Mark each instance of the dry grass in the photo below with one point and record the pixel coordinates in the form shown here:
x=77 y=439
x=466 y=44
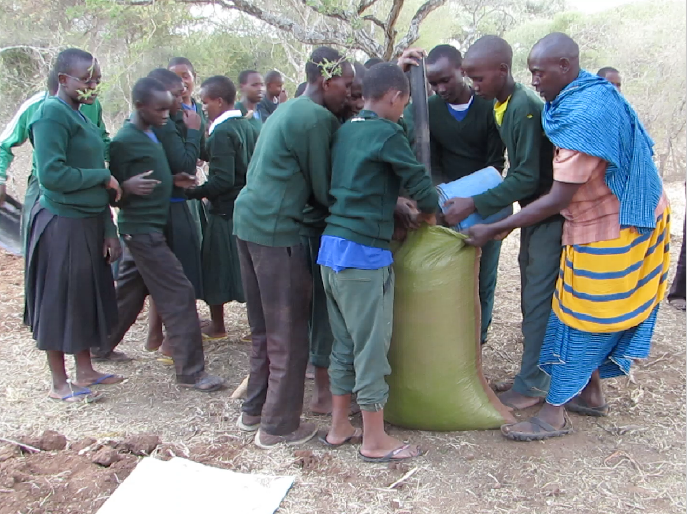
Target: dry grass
x=632 y=460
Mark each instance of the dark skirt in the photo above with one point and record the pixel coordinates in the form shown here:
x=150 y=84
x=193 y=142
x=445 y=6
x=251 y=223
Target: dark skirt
x=183 y=238
x=221 y=269
x=71 y=303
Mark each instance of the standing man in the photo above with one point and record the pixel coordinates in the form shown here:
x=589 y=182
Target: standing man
x=464 y=138
x=612 y=75
x=251 y=87
x=274 y=95
x=517 y=111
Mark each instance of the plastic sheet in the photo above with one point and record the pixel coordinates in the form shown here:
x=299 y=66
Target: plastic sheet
x=436 y=381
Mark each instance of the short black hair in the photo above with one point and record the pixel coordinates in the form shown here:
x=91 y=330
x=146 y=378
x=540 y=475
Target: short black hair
x=243 y=76
x=360 y=71
x=606 y=70
x=220 y=86
x=445 y=51
x=318 y=58
x=382 y=78
x=178 y=61
x=66 y=60
x=144 y=89
x=372 y=61
x=300 y=89
x=53 y=83
x=168 y=78
x=272 y=76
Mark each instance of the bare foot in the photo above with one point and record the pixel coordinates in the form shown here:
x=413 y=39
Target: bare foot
x=73 y=394
x=154 y=341
x=211 y=332
x=517 y=401
x=95 y=378
x=165 y=349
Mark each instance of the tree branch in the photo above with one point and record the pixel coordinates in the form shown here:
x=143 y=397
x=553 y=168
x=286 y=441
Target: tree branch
x=364 y=5
x=414 y=29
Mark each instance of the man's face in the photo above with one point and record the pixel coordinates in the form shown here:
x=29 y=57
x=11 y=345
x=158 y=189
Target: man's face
x=488 y=78
x=274 y=88
x=177 y=91
x=547 y=75
x=253 y=88
x=213 y=107
x=156 y=111
x=337 y=90
x=355 y=102
x=187 y=76
x=446 y=79
x=614 y=78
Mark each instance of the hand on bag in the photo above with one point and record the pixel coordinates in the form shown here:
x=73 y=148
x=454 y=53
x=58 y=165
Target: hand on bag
x=457 y=209
x=430 y=219
x=479 y=235
x=140 y=185
x=192 y=119
x=184 y=180
x=114 y=185
x=112 y=249
x=410 y=57
x=405 y=217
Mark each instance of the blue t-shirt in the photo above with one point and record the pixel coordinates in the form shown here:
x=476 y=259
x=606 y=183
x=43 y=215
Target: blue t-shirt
x=459 y=112
x=340 y=254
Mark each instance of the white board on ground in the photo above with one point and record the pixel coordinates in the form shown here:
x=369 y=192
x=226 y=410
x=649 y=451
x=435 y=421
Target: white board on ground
x=181 y=486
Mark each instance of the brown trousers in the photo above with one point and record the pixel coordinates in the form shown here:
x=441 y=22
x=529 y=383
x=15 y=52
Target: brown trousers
x=149 y=267
x=278 y=287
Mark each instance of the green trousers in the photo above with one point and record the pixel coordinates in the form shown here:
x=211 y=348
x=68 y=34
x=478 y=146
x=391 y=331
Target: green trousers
x=539 y=259
x=488 y=270
x=361 y=312
x=319 y=331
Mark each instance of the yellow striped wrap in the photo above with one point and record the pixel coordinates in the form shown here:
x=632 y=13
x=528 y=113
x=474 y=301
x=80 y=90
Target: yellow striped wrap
x=611 y=286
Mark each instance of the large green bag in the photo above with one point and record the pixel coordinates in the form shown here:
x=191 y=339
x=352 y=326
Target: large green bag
x=436 y=382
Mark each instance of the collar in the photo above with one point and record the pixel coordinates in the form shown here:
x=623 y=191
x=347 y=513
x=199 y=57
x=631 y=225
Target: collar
x=224 y=117
x=365 y=114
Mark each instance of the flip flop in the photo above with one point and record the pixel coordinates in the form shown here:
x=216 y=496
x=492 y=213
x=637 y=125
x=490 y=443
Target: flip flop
x=391 y=456
x=101 y=380
x=246 y=428
x=89 y=396
x=542 y=430
x=214 y=338
x=356 y=438
x=113 y=356
x=167 y=361
x=579 y=406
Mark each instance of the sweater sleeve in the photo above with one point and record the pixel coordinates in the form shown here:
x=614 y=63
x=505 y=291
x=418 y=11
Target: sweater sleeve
x=414 y=178
x=181 y=155
x=314 y=156
x=50 y=139
x=104 y=133
x=495 y=147
x=15 y=134
x=222 y=164
x=524 y=170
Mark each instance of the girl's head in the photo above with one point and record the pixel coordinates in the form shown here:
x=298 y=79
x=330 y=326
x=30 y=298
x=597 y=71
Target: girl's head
x=184 y=69
x=152 y=100
x=78 y=76
x=173 y=84
x=218 y=95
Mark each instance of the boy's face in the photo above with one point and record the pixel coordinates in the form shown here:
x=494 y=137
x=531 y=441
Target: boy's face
x=177 y=91
x=614 y=78
x=213 y=107
x=187 y=76
x=355 y=102
x=81 y=82
x=337 y=90
x=156 y=111
x=488 y=79
x=253 y=88
x=275 y=87
x=446 y=80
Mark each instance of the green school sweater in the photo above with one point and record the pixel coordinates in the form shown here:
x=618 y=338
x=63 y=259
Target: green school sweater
x=16 y=133
x=229 y=149
x=459 y=148
x=255 y=122
x=182 y=147
x=132 y=152
x=290 y=168
x=530 y=155
x=69 y=153
x=371 y=161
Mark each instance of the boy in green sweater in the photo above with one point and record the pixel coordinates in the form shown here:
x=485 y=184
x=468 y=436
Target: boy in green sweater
x=371 y=161
x=252 y=89
x=463 y=139
x=149 y=267
x=229 y=147
x=517 y=111
x=289 y=169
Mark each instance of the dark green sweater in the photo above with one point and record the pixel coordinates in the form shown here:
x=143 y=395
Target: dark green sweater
x=182 y=147
x=69 y=153
x=229 y=149
x=371 y=161
x=255 y=122
x=132 y=152
x=459 y=148
x=290 y=168
x=530 y=155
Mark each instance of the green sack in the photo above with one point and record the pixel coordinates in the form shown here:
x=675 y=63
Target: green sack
x=436 y=380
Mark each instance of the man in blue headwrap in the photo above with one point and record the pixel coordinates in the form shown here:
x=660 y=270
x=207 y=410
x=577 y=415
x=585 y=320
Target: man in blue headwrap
x=615 y=237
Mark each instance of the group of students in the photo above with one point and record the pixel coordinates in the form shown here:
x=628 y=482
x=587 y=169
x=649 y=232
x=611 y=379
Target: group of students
x=308 y=205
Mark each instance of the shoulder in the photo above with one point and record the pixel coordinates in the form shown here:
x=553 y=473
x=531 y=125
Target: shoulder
x=526 y=102
x=376 y=130
x=53 y=111
x=126 y=134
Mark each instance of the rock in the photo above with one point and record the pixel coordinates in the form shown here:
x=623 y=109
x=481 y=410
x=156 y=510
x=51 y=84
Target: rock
x=9 y=452
x=48 y=441
x=139 y=444
x=106 y=456
x=82 y=444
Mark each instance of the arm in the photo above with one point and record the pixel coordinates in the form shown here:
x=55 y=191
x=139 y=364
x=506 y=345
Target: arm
x=495 y=147
x=181 y=155
x=222 y=175
x=414 y=178
x=103 y=132
x=50 y=139
x=15 y=134
x=316 y=163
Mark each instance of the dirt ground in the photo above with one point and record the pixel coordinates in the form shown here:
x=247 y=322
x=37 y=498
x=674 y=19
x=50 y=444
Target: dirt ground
x=633 y=460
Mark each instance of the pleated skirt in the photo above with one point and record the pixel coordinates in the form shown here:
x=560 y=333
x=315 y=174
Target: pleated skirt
x=71 y=303
x=221 y=269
